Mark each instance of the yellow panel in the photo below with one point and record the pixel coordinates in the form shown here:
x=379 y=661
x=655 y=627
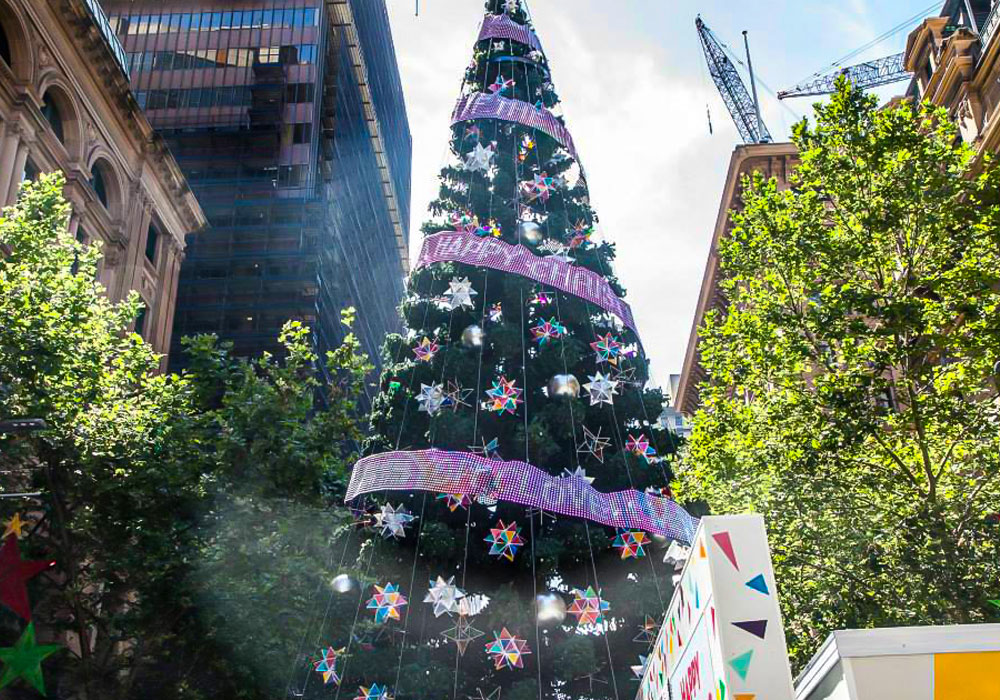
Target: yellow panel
x=973 y=676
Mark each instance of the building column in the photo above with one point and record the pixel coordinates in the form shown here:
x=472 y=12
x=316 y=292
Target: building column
x=20 y=159
x=173 y=255
x=9 y=142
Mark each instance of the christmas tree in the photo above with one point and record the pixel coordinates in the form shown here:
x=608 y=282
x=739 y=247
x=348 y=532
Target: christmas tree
x=491 y=552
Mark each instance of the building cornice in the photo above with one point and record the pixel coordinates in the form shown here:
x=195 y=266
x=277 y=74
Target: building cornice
x=343 y=16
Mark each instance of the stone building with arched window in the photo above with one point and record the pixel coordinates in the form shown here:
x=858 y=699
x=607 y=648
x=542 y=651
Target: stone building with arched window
x=66 y=104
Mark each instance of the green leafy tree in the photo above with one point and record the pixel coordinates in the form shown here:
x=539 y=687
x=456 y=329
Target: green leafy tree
x=852 y=397
x=190 y=518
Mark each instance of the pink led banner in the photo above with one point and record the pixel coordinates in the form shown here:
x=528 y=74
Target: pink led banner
x=503 y=27
x=519 y=482
x=468 y=248
x=480 y=105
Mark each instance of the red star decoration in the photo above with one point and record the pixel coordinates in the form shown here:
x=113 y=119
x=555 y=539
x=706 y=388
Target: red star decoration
x=14 y=573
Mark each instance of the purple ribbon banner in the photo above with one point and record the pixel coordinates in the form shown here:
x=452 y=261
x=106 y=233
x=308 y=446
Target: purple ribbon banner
x=519 y=482
x=503 y=27
x=468 y=248
x=481 y=105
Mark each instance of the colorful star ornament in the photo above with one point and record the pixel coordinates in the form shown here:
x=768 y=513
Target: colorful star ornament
x=24 y=660
x=462 y=633
x=647 y=631
x=504 y=396
x=507 y=650
x=393 y=521
x=15 y=526
x=490 y=228
x=432 y=398
x=607 y=348
x=373 y=692
x=540 y=187
x=505 y=540
x=464 y=222
x=444 y=596
x=548 y=330
x=631 y=543
x=501 y=86
x=495 y=314
x=479 y=158
x=594 y=444
x=588 y=607
x=640 y=447
x=460 y=293
x=489 y=450
x=14 y=575
x=540 y=299
x=426 y=350
x=471 y=132
x=386 y=602
x=326 y=665
x=456 y=395
x=454 y=501
x=601 y=389
x=581 y=235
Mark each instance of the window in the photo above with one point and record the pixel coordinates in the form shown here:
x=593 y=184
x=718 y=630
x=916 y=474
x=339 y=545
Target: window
x=268 y=54
x=30 y=171
x=100 y=187
x=301 y=133
x=300 y=92
x=152 y=236
x=5 y=48
x=52 y=115
x=140 y=320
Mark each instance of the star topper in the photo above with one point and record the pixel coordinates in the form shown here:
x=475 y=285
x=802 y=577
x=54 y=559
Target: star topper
x=460 y=293
x=426 y=350
x=507 y=650
x=588 y=607
x=393 y=521
x=444 y=596
x=505 y=540
x=594 y=444
x=505 y=396
x=462 y=633
x=601 y=389
x=607 y=348
x=631 y=543
x=480 y=158
x=548 y=330
x=500 y=85
x=326 y=665
x=386 y=602
x=640 y=447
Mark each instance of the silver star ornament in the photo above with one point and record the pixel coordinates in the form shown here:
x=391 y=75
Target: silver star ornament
x=444 y=596
x=393 y=521
x=480 y=158
x=460 y=293
x=601 y=389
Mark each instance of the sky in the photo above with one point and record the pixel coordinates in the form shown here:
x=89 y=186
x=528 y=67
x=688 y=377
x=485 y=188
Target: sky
x=634 y=88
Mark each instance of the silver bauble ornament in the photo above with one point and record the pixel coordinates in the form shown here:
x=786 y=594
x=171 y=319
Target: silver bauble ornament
x=343 y=583
x=529 y=232
x=472 y=337
x=550 y=608
x=564 y=385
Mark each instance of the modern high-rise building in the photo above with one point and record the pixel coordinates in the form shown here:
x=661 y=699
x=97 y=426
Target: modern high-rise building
x=287 y=117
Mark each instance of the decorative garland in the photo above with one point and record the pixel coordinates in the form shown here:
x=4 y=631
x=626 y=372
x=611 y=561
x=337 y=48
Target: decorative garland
x=503 y=27
x=464 y=247
x=481 y=105
x=522 y=483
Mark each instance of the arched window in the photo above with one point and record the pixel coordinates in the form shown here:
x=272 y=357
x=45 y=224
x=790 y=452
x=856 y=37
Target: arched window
x=53 y=115
x=5 y=48
x=99 y=185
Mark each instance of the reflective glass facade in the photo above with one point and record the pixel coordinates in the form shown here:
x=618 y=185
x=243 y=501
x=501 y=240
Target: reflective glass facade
x=262 y=108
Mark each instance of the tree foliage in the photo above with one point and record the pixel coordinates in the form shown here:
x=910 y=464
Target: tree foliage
x=852 y=397
x=190 y=517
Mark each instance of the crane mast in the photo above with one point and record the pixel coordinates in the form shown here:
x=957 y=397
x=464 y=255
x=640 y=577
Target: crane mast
x=734 y=93
x=881 y=71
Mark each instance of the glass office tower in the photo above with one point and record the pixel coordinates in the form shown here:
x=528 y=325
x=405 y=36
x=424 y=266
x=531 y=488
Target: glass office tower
x=287 y=117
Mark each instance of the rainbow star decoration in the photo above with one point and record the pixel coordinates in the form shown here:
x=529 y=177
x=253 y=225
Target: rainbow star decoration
x=548 y=330
x=373 y=692
x=540 y=299
x=464 y=222
x=504 y=396
x=326 y=665
x=640 y=447
x=507 y=650
x=588 y=607
x=500 y=85
x=386 y=602
x=495 y=313
x=426 y=350
x=607 y=348
x=454 y=501
x=631 y=543
x=504 y=540
x=540 y=187
x=490 y=228
x=581 y=235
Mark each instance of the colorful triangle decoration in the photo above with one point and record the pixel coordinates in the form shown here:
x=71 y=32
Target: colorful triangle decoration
x=759 y=584
x=722 y=690
x=725 y=543
x=757 y=628
x=741 y=664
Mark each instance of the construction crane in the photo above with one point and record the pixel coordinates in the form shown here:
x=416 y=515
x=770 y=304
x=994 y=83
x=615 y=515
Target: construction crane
x=744 y=108
x=881 y=71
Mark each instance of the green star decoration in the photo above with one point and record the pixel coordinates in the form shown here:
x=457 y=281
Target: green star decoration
x=24 y=660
